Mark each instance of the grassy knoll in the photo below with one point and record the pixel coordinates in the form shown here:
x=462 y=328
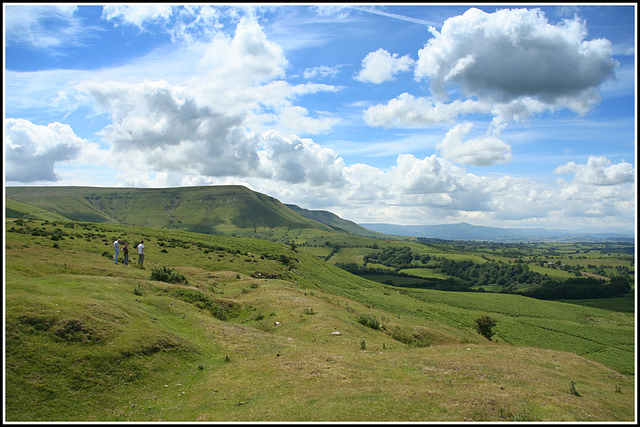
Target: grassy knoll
x=250 y=337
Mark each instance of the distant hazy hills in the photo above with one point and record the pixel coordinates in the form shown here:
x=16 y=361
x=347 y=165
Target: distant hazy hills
x=464 y=231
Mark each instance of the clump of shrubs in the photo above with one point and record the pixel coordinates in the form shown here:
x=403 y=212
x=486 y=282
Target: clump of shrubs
x=168 y=275
x=203 y=302
x=369 y=320
x=417 y=338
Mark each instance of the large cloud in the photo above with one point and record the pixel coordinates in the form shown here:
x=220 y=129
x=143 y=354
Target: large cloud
x=202 y=127
x=516 y=53
x=435 y=188
x=33 y=150
x=247 y=58
x=159 y=127
x=511 y=64
x=599 y=189
x=164 y=127
x=242 y=75
x=430 y=175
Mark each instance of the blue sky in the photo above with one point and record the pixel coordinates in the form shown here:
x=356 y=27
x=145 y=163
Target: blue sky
x=507 y=115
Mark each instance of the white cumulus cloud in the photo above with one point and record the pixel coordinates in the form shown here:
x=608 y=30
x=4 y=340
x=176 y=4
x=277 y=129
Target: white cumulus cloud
x=599 y=171
x=407 y=110
x=511 y=64
x=514 y=53
x=381 y=66
x=158 y=126
x=482 y=151
x=296 y=160
x=32 y=151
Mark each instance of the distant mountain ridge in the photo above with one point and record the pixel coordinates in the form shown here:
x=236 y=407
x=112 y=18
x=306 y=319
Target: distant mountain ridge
x=334 y=221
x=465 y=231
x=227 y=210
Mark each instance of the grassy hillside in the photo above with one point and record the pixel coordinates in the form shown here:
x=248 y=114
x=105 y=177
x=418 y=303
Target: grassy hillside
x=335 y=222
x=250 y=335
x=226 y=210
x=16 y=209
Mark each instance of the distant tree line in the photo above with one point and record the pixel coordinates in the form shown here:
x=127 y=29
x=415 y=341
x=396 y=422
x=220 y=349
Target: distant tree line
x=467 y=275
x=499 y=273
x=396 y=257
x=509 y=276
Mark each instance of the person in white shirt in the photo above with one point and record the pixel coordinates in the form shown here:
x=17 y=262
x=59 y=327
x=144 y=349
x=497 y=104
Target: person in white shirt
x=141 y=252
x=116 y=247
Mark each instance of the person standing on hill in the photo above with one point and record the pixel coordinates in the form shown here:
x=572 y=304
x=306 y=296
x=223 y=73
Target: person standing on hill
x=125 y=252
x=116 y=248
x=141 y=253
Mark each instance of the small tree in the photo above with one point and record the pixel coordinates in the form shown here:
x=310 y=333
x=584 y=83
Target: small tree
x=484 y=325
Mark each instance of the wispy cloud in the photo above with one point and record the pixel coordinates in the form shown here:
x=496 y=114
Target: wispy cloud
x=46 y=27
x=377 y=11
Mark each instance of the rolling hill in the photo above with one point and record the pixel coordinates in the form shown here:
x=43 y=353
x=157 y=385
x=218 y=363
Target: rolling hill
x=224 y=210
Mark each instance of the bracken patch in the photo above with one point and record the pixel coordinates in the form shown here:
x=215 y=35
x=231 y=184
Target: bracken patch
x=74 y=330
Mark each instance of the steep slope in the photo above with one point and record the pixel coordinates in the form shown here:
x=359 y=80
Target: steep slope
x=250 y=335
x=213 y=209
x=334 y=221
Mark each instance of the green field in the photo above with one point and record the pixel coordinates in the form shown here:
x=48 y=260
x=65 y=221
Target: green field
x=551 y=272
x=249 y=337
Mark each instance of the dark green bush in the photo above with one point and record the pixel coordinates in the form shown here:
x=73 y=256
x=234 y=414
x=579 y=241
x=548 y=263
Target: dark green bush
x=168 y=275
x=484 y=325
x=369 y=320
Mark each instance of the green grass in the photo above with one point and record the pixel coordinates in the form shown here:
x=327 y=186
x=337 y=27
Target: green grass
x=623 y=305
x=397 y=280
x=16 y=209
x=551 y=272
x=425 y=272
x=88 y=340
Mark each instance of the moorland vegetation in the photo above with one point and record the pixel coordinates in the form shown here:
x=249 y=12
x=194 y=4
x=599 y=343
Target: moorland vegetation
x=224 y=328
